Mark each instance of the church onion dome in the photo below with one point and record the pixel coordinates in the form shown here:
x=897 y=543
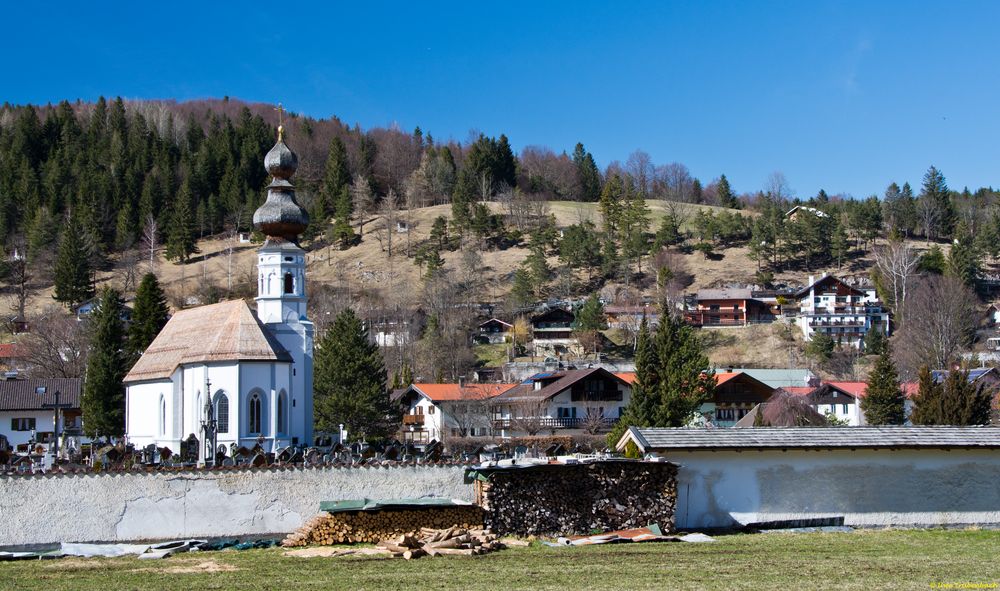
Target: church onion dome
x=281 y=218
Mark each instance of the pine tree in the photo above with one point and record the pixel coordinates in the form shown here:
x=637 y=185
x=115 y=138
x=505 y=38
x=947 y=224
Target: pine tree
x=964 y=402
x=439 y=231
x=883 y=403
x=350 y=382
x=73 y=282
x=724 y=194
x=964 y=258
x=149 y=317
x=521 y=293
x=635 y=229
x=927 y=403
x=876 y=341
x=343 y=207
x=587 y=175
x=589 y=321
x=181 y=231
x=685 y=377
x=611 y=206
x=539 y=268
x=935 y=190
x=641 y=408
x=336 y=175
x=103 y=400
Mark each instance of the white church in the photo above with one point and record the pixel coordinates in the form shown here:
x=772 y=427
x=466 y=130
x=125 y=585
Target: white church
x=248 y=375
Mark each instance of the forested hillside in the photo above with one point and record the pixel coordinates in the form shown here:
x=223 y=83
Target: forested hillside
x=97 y=193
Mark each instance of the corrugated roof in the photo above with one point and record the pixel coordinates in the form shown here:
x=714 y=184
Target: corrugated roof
x=664 y=439
x=227 y=331
x=19 y=394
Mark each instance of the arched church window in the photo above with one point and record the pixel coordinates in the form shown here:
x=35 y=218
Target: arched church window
x=254 y=414
x=289 y=283
x=283 y=413
x=222 y=411
x=163 y=415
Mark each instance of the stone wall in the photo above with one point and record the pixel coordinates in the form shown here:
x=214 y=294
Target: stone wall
x=130 y=506
x=578 y=498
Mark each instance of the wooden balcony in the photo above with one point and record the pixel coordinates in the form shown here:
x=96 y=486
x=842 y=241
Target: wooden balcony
x=413 y=420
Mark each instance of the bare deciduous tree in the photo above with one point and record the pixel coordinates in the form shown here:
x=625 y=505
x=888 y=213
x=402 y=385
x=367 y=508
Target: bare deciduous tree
x=57 y=345
x=363 y=197
x=897 y=264
x=151 y=240
x=594 y=421
x=777 y=186
x=527 y=416
x=640 y=168
x=940 y=320
x=927 y=211
x=20 y=275
x=386 y=230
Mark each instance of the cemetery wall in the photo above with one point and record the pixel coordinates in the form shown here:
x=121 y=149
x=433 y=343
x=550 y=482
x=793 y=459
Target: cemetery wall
x=167 y=504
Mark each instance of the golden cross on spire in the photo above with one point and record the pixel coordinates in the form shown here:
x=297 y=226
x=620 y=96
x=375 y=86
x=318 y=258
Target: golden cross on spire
x=281 y=129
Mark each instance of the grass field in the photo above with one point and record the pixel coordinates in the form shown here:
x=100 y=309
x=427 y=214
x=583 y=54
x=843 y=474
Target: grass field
x=859 y=560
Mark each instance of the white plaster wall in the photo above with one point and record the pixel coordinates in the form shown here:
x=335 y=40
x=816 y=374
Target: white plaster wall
x=44 y=422
x=162 y=505
x=143 y=413
x=867 y=487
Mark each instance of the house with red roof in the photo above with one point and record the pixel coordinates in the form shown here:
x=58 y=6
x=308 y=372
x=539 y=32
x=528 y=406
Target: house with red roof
x=842 y=400
x=432 y=412
x=736 y=394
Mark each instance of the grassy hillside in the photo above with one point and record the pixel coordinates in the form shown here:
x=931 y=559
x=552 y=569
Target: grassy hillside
x=367 y=267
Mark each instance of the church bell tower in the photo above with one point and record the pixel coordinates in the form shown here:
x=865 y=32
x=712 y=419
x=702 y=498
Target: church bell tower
x=281 y=276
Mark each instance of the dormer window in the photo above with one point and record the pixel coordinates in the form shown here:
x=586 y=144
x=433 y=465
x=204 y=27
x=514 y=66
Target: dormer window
x=289 y=283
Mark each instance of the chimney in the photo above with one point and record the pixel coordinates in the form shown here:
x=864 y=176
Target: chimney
x=812 y=279
x=461 y=381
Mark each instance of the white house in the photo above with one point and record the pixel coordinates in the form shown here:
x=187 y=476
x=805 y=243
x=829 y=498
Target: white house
x=253 y=373
x=565 y=402
x=843 y=312
x=432 y=412
x=27 y=414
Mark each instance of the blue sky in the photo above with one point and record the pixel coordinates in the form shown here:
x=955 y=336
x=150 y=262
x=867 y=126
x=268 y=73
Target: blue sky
x=846 y=96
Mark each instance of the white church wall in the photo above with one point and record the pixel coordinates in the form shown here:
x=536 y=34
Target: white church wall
x=143 y=412
x=163 y=505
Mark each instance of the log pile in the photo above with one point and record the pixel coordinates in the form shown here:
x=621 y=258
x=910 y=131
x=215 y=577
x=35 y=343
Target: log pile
x=453 y=541
x=566 y=499
x=349 y=527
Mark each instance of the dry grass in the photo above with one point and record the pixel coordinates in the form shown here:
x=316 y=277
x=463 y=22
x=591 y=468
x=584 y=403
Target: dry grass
x=883 y=559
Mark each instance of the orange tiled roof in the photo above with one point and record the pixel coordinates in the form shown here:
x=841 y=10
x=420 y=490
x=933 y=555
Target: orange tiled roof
x=628 y=376
x=449 y=392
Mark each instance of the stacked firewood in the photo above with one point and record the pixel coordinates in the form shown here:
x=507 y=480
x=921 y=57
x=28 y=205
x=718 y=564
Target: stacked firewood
x=442 y=542
x=370 y=527
x=560 y=499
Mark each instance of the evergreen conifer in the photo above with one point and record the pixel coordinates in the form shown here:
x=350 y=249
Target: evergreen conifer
x=149 y=316
x=103 y=399
x=72 y=274
x=350 y=382
x=883 y=403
